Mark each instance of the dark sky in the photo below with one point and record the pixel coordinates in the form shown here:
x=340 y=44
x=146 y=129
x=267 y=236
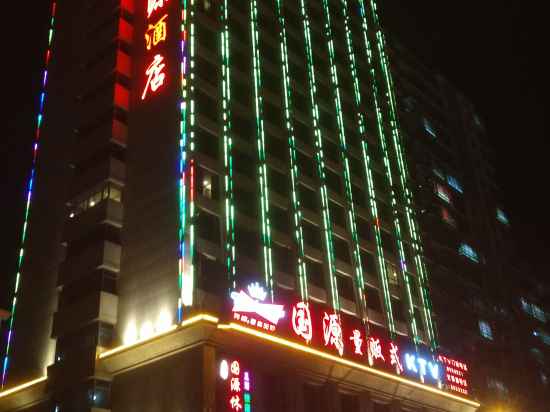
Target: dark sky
x=492 y=51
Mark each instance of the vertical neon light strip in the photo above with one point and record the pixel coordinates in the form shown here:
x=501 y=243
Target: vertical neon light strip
x=371 y=198
x=359 y=279
x=186 y=275
x=294 y=172
x=30 y=185
x=320 y=157
x=228 y=149
x=262 y=162
x=404 y=178
x=396 y=221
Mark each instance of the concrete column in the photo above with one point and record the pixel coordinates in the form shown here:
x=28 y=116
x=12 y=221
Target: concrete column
x=209 y=378
x=365 y=402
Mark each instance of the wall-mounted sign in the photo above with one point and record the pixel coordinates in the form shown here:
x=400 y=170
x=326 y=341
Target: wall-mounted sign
x=235 y=389
x=249 y=308
x=155 y=34
x=455 y=375
x=316 y=325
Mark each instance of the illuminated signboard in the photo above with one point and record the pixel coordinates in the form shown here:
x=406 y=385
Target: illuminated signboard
x=455 y=375
x=235 y=391
x=155 y=34
x=316 y=325
x=249 y=308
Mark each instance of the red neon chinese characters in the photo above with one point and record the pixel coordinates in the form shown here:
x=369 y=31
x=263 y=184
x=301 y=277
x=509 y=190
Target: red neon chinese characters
x=153 y=5
x=374 y=350
x=235 y=403
x=332 y=332
x=357 y=341
x=301 y=321
x=155 y=74
x=156 y=33
x=394 y=358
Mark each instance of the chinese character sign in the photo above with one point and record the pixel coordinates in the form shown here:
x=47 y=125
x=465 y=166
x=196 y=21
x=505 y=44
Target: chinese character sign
x=155 y=34
x=236 y=387
x=301 y=321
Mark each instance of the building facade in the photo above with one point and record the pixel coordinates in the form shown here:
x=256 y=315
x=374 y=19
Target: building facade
x=223 y=218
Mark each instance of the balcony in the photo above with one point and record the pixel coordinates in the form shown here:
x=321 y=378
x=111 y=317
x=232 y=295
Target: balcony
x=103 y=255
x=98 y=306
x=108 y=169
x=108 y=212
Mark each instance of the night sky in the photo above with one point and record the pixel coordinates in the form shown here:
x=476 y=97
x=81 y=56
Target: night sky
x=492 y=51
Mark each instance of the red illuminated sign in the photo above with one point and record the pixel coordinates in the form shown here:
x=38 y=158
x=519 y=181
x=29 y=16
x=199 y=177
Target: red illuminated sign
x=155 y=34
x=317 y=326
x=236 y=387
x=456 y=375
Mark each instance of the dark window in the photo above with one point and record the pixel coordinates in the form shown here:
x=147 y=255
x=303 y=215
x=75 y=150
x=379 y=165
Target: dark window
x=338 y=214
x=208 y=227
x=368 y=261
x=248 y=243
x=309 y=199
x=373 y=299
x=315 y=273
x=345 y=287
x=212 y=275
x=333 y=181
x=246 y=201
x=244 y=163
x=364 y=229
x=312 y=234
x=341 y=249
x=278 y=182
x=283 y=259
x=207 y=143
x=306 y=165
x=280 y=219
x=388 y=242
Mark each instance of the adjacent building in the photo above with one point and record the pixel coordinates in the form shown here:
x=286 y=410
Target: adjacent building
x=227 y=215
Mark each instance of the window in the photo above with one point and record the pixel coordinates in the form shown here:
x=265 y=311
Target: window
x=393 y=276
x=428 y=127
x=502 y=218
x=443 y=193
x=345 y=287
x=455 y=184
x=90 y=200
x=533 y=310
x=485 y=330
x=447 y=217
x=467 y=251
x=205 y=183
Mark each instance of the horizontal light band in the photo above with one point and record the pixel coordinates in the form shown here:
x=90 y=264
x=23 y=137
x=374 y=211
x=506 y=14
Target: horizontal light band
x=307 y=349
x=185 y=323
x=25 y=385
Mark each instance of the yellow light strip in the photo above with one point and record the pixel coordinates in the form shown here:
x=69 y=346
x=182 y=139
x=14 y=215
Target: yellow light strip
x=333 y=358
x=22 y=386
x=185 y=323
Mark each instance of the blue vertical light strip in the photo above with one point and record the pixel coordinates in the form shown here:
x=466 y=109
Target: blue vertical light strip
x=411 y=219
x=294 y=171
x=262 y=161
x=320 y=157
x=351 y=216
x=30 y=186
x=229 y=203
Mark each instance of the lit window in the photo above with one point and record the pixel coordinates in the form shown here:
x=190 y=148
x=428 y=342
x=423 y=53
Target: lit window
x=485 y=330
x=207 y=186
x=544 y=337
x=455 y=184
x=469 y=252
x=443 y=193
x=447 y=217
x=533 y=310
x=429 y=128
x=115 y=194
x=502 y=218
x=392 y=273
x=95 y=199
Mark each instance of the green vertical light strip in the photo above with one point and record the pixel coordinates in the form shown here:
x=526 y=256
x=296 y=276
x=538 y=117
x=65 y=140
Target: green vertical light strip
x=389 y=178
x=260 y=145
x=404 y=178
x=228 y=149
x=351 y=217
x=372 y=200
x=319 y=156
x=294 y=172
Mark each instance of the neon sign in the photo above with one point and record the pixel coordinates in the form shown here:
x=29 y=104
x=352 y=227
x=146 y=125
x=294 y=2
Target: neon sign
x=301 y=321
x=419 y=366
x=456 y=375
x=319 y=327
x=155 y=34
x=249 y=309
x=236 y=386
